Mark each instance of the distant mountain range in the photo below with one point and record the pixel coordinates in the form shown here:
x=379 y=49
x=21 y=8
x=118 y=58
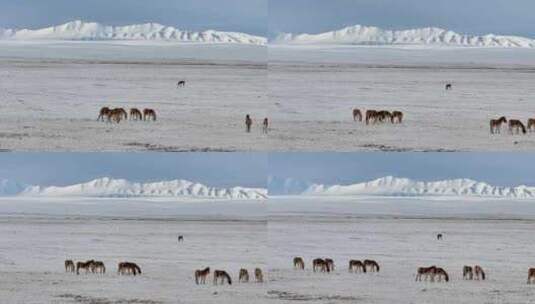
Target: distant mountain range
x=109 y=187
x=80 y=30
x=393 y=186
x=431 y=36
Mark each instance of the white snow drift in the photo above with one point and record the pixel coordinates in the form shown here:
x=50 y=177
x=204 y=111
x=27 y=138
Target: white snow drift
x=79 y=30
x=369 y=35
x=108 y=187
x=392 y=186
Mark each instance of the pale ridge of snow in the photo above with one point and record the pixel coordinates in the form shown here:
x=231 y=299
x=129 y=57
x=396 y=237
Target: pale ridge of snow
x=79 y=30
x=109 y=187
x=393 y=186
x=369 y=35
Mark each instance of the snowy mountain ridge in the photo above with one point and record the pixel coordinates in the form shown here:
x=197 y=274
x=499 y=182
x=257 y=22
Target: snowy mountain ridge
x=109 y=187
x=80 y=30
x=370 y=35
x=393 y=186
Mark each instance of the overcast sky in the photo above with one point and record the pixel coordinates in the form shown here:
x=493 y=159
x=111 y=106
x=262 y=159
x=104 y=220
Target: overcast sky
x=466 y=16
x=248 y=16
x=501 y=169
x=214 y=169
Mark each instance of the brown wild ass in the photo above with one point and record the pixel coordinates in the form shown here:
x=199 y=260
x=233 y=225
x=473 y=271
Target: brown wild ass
x=69 y=266
x=496 y=125
x=135 y=114
x=117 y=115
x=479 y=273
x=321 y=265
x=397 y=116
x=104 y=113
x=441 y=273
x=128 y=268
x=468 y=273
x=259 y=276
x=371 y=116
x=330 y=264
x=357 y=114
x=426 y=272
x=299 y=263
x=149 y=114
x=531 y=275
x=516 y=125
x=200 y=275
x=221 y=276
x=98 y=267
x=244 y=276
x=84 y=265
x=373 y=265
x=531 y=124
x=356 y=266
x=384 y=115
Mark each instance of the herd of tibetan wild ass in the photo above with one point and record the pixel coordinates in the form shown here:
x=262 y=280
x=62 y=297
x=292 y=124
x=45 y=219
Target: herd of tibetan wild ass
x=515 y=125
x=117 y=114
x=129 y=268
x=324 y=265
x=371 y=117
x=431 y=273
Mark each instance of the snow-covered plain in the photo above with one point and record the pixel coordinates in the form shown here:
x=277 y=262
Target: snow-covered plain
x=400 y=233
x=38 y=234
x=51 y=93
x=313 y=89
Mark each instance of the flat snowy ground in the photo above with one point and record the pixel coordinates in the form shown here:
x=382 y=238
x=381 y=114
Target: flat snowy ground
x=313 y=89
x=35 y=243
x=51 y=93
x=400 y=244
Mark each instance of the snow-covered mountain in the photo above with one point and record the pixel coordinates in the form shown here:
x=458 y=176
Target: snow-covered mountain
x=108 y=187
x=79 y=30
x=369 y=35
x=392 y=186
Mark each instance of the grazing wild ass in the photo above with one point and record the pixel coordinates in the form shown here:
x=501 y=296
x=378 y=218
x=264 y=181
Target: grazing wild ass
x=149 y=114
x=372 y=265
x=135 y=114
x=220 y=276
x=128 y=268
x=320 y=265
x=356 y=266
x=479 y=273
x=516 y=125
